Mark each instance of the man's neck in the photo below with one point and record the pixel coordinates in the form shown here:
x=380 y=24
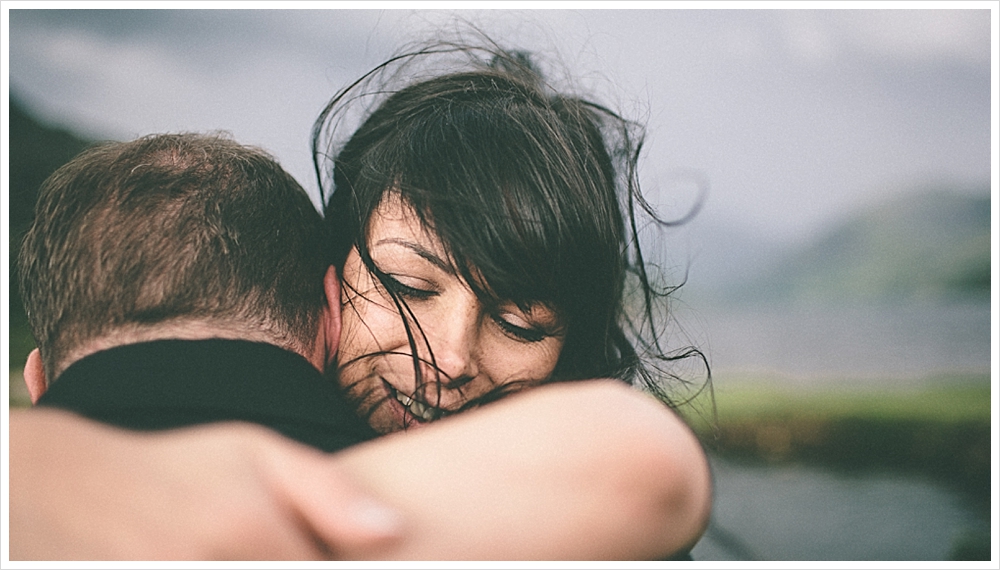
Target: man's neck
x=186 y=329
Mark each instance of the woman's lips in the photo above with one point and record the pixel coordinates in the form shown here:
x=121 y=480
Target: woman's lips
x=409 y=411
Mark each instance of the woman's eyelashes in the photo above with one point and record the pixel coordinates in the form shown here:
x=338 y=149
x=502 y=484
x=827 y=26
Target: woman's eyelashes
x=406 y=291
x=514 y=323
x=525 y=333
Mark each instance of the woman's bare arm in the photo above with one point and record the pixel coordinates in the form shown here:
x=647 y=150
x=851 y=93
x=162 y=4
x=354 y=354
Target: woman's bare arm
x=585 y=470
x=588 y=470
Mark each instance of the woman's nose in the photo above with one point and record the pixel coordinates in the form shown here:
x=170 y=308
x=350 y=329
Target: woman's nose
x=455 y=346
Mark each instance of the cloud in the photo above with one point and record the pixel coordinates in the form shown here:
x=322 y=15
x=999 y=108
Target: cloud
x=893 y=36
x=793 y=115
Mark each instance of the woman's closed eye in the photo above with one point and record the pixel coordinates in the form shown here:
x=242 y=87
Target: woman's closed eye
x=519 y=328
x=418 y=289
x=415 y=289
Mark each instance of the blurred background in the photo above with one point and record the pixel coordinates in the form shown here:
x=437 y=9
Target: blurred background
x=838 y=272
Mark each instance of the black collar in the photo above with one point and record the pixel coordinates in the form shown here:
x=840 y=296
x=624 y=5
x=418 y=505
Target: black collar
x=172 y=383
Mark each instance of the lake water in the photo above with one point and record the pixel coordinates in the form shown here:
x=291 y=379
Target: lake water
x=803 y=513
x=799 y=513
x=899 y=343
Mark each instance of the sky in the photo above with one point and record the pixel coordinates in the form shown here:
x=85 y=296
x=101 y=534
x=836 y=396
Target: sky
x=796 y=118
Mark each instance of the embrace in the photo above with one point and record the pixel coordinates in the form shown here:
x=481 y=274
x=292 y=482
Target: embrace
x=443 y=366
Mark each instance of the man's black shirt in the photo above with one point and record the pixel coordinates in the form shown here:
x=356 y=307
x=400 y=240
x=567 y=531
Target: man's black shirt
x=172 y=383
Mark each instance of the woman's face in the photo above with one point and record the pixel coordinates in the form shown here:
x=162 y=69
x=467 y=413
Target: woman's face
x=476 y=347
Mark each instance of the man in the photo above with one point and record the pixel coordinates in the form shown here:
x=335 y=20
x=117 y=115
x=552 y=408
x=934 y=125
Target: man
x=181 y=279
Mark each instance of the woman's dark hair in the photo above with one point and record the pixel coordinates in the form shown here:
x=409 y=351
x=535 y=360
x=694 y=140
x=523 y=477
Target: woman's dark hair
x=533 y=193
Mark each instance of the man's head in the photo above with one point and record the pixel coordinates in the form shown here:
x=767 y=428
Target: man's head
x=172 y=236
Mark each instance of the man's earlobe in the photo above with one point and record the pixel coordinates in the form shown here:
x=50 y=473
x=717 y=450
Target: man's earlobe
x=34 y=376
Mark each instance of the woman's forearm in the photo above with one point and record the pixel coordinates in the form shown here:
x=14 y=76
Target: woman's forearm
x=586 y=470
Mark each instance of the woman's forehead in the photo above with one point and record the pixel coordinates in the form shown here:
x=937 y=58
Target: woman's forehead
x=396 y=222
x=396 y=227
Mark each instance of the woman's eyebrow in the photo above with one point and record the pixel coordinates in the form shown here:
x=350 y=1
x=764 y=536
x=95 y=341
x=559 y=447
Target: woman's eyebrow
x=422 y=252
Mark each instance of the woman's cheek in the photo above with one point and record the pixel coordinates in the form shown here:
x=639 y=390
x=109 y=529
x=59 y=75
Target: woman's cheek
x=372 y=324
x=508 y=360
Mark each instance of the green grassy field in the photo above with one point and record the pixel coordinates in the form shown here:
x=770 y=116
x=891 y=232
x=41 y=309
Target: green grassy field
x=943 y=399
x=18 y=391
x=941 y=429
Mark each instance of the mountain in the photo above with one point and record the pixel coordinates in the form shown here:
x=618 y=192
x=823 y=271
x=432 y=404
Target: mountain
x=929 y=245
x=36 y=151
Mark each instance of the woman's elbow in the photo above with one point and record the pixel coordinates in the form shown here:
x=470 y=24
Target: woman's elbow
x=678 y=469
x=669 y=483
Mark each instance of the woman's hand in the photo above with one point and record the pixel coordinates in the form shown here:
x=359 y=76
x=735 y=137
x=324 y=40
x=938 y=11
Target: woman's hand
x=83 y=491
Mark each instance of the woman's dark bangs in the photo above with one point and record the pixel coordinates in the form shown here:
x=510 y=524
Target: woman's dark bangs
x=472 y=180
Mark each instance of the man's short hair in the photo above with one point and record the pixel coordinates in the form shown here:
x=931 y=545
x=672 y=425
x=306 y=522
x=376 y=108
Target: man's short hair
x=169 y=228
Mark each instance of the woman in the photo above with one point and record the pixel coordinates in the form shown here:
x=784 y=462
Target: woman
x=476 y=220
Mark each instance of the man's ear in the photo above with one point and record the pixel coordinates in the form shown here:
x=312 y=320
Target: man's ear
x=34 y=376
x=331 y=284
